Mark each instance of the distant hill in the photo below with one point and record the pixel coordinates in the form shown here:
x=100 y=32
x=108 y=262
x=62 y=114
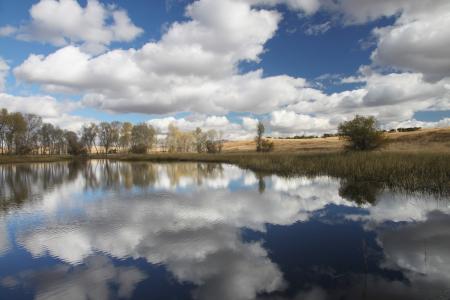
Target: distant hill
x=430 y=140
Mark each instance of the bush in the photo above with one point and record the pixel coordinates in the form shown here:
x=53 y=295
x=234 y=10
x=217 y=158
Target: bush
x=362 y=133
x=139 y=149
x=211 y=147
x=24 y=150
x=408 y=129
x=266 y=146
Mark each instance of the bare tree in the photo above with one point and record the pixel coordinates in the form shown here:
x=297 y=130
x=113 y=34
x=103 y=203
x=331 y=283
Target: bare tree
x=106 y=136
x=88 y=135
x=142 y=137
x=125 y=135
x=3 y=124
x=200 y=140
x=34 y=124
x=259 y=136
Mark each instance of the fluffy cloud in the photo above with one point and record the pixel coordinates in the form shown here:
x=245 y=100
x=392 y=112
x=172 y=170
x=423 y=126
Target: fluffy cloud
x=362 y=11
x=60 y=22
x=4 y=69
x=418 y=39
x=230 y=130
x=306 y=6
x=445 y=122
x=204 y=246
x=92 y=280
x=175 y=73
x=284 y=121
x=50 y=109
x=417 y=42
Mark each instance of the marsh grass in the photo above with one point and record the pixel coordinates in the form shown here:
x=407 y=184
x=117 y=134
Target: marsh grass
x=428 y=172
x=14 y=159
x=406 y=171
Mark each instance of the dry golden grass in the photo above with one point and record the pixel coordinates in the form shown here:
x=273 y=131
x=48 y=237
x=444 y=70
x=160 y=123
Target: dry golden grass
x=426 y=140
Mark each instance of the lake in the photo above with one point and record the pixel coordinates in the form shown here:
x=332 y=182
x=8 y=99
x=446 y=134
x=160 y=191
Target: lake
x=117 y=230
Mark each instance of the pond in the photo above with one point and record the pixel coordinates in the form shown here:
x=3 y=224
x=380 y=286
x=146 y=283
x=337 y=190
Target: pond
x=116 y=230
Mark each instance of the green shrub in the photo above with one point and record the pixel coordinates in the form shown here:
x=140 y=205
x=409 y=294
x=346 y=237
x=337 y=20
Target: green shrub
x=362 y=133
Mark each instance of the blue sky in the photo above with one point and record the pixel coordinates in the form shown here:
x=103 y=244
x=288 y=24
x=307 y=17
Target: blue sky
x=302 y=66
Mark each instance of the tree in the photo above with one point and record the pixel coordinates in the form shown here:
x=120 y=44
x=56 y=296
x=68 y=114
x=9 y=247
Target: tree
x=200 y=140
x=125 y=135
x=16 y=127
x=115 y=132
x=172 y=138
x=59 y=141
x=3 y=124
x=259 y=136
x=362 y=133
x=262 y=145
x=214 y=141
x=106 y=136
x=142 y=138
x=34 y=124
x=88 y=135
x=74 y=147
x=46 y=137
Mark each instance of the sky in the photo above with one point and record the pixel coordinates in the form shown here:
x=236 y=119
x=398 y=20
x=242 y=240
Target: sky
x=299 y=66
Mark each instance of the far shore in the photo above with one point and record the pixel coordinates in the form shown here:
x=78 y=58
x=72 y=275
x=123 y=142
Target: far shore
x=407 y=171
x=416 y=161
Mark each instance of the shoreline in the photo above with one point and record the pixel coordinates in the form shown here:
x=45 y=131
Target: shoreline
x=410 y=171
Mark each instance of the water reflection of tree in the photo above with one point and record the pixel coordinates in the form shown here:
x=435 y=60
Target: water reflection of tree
x=261 y=183
x=360 y=191
x=26 y=182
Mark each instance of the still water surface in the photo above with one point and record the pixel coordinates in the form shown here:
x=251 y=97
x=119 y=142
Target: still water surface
x=112 y=230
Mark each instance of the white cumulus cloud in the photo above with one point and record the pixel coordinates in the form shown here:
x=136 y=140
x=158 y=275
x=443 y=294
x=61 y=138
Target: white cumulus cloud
x=60 y=22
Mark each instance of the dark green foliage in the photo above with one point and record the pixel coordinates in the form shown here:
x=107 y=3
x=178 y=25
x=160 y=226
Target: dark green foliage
x=360 y=191
x=408 y=129
x=362 y=133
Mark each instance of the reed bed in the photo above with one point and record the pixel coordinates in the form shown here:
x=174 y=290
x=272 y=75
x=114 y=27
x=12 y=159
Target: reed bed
x=415 y=171
x=14 y=159
x=429 y=172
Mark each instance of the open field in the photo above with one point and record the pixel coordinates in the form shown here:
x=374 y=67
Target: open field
x=427 y=140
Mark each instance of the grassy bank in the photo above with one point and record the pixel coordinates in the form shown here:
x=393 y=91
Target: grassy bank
x=13 y=159
x=407 y=171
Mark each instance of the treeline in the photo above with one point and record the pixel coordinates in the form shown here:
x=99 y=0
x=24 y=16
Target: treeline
x=24 y=134
x=405 y=129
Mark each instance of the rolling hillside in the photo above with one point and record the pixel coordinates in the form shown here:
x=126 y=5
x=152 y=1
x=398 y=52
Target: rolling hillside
x=434 y=140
